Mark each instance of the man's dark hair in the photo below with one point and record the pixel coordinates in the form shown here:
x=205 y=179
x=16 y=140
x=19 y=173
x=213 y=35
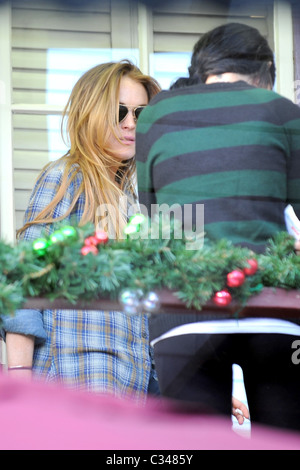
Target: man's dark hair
x=237 y=48
x=183 y=82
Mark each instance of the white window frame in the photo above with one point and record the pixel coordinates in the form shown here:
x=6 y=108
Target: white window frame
x=284 y=48
x=6 y=151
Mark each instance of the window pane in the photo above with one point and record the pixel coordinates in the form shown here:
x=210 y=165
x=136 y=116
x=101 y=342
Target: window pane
x=166 y=67
x=65 y=66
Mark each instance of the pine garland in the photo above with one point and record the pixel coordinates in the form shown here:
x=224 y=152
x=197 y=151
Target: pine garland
x=58 y=267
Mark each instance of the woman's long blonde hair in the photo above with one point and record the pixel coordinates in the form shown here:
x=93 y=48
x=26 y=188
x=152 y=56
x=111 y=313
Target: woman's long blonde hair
x=91 y=114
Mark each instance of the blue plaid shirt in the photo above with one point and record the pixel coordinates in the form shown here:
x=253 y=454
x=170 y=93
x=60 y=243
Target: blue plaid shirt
x=99 y=351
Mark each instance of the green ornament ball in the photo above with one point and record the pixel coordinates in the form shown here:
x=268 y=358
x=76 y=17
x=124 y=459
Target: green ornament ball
x=69 y=232
x=40 y=246
x=56 y=237
x=129 y=229
x=134 y=224
x=137 y=219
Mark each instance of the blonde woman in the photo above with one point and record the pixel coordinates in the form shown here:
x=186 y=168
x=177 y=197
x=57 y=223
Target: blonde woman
x=99 y=351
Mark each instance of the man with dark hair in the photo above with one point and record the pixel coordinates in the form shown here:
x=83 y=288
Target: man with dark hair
x=231 y=143
x=234 y=48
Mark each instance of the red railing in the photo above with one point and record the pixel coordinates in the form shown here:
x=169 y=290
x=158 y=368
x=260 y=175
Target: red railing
x=270 y=302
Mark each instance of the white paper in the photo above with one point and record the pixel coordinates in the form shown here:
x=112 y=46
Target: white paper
x=292 y=222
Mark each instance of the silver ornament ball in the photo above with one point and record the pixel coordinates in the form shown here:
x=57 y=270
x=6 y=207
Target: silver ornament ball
x=131 y=301
x=151 y=302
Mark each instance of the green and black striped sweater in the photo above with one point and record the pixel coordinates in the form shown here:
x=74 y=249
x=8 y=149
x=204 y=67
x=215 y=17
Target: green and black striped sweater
x=230 y=146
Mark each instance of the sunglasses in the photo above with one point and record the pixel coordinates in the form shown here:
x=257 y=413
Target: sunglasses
x=124 y=110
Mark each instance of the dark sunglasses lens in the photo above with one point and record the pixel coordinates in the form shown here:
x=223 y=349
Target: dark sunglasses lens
x=123 y=111
x=138 y=112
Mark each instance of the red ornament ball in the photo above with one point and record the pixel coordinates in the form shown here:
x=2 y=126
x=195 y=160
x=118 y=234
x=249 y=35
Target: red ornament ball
x=86 y=249
x=235 y=278
x=91 y=241
x=101 y=236
x=253 y=266
x=222 y=298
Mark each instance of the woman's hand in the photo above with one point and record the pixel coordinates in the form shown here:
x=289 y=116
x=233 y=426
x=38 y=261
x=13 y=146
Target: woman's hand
x=239 y=410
